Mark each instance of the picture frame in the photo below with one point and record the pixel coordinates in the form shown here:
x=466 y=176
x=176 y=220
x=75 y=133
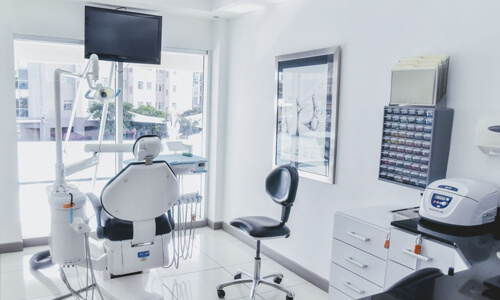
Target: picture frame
x=306 y=112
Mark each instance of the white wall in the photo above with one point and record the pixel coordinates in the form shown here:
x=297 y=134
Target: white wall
x=373 y=36
x=9 y=204
x=65 y=19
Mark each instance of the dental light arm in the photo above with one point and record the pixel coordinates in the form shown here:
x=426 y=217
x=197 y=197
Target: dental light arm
x=92 y=78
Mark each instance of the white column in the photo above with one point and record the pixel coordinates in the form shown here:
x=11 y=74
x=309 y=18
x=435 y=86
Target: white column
x=10 y=224
x=218 y=103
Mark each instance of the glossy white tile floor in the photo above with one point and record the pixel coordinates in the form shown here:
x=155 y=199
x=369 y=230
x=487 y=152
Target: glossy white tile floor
x=216 y=257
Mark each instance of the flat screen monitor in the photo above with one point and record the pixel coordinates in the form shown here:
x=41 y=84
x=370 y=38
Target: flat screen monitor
x=122 y=36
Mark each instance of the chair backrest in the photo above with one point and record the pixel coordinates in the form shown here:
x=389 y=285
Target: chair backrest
x=141 y=192
x=281 y=186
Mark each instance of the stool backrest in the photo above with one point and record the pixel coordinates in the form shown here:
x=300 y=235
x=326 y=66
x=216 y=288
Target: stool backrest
x=281 y=186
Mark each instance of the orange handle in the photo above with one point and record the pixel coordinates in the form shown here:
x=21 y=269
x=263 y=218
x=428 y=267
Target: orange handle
x=69 y=205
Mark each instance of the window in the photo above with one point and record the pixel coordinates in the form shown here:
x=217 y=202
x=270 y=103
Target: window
x=22 y=108
x=36 y=125
x=149 y=86
x=105 y=81
x=148 y=103
x=35 y=63
x=174 y=89
x=68 y=105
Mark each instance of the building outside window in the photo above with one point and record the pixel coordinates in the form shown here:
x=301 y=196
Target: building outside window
x=140 y=85
x=68 y=105
x=22 y=108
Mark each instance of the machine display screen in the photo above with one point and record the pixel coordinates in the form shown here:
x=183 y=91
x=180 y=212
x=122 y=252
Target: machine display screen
x=440 y=201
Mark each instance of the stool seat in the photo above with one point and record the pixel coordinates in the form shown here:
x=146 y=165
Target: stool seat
x=261 y=227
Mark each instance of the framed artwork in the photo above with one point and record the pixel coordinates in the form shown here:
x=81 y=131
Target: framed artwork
x=306 y=106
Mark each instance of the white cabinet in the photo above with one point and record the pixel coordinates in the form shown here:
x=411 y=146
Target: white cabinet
x=359 y=262
x=395 y=272
x=433 y=255
x=360 y=234
x=359 y=258
x=334 y=294
x=351 y=284
x=361 y=266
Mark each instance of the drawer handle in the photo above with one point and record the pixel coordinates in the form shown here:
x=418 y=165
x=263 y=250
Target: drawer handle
x=355 y=289
x=417 y=256
x=357 y=236
x=357 y=264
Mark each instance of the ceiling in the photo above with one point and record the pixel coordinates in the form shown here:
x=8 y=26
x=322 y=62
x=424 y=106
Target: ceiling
x=198 y=8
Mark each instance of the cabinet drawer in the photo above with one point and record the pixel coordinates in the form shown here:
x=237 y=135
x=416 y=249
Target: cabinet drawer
x=351 y=284
x=334 y=294
x=433 y=255
x=395 y=272
x=359 y=262
x=361 y=235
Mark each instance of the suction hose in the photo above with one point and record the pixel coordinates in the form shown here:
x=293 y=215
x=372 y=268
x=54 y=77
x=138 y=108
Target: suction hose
x=41 y=260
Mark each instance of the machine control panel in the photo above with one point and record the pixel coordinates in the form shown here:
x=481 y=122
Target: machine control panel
x=440 y=201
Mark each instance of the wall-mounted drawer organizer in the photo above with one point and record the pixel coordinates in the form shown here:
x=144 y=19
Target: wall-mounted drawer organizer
x=415 y=145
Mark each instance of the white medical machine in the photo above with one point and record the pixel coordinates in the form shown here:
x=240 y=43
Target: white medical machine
x=460 y=202
x=134 y=214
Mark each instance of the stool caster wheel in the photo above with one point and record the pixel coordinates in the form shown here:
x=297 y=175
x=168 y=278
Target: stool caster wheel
x=289 y=298
x=221 y=294
x=277 y=280
x=237 y=276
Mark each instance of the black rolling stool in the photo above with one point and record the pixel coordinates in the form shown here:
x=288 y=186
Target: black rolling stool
x=281 y=186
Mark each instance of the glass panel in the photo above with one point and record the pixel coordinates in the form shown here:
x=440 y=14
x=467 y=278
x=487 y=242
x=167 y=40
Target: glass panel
x=35 y=66
x=178 y=116
x=147 y=110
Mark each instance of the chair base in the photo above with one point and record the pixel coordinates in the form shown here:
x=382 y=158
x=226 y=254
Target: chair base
x=256 y=280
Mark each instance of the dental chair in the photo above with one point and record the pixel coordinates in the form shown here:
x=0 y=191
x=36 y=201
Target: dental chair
x=132 y=213
x=281 y=186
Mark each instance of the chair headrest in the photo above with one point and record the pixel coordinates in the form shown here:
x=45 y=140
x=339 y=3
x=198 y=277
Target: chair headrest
x=147 y=147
